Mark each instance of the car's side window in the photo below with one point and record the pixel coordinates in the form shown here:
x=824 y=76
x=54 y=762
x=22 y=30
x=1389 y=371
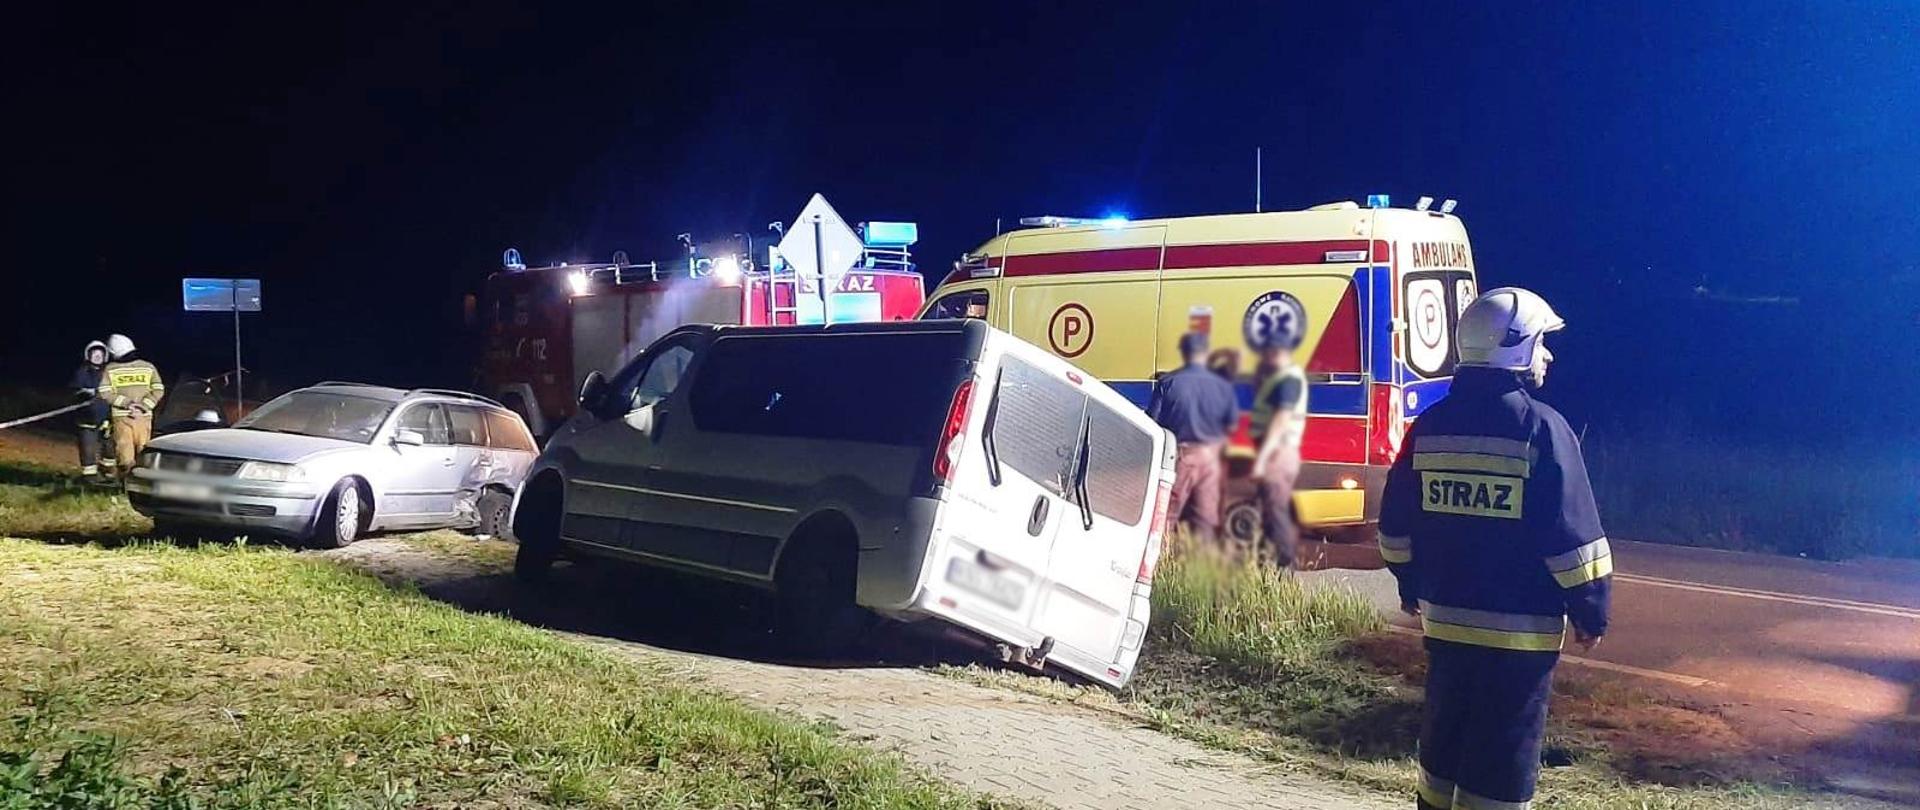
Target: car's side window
x=429 y=420
x=468 y=426
x=504 y=432
x=664 y=368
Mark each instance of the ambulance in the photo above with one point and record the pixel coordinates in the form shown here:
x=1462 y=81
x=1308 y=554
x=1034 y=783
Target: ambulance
x=1378 y=290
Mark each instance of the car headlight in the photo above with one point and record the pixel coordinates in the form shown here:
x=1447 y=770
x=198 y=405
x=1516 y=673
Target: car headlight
x=269 y=471
x=150 y=459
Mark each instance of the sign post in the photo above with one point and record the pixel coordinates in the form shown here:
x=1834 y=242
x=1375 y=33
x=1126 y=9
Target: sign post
x=235 y=295
x=824 y=251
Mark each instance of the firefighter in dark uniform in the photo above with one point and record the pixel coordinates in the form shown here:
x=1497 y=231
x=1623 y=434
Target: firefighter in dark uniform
x=1489 y=524
x=91 y=421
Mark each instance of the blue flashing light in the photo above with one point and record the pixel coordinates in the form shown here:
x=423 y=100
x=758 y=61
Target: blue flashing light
x=1378 y=201
x=1114 y=221
x=891 y=234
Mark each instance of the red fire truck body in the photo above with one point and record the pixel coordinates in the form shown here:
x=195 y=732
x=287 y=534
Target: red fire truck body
x=547 y=328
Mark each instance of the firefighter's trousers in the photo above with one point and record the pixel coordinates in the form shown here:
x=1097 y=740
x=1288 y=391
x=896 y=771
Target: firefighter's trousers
x=131 y=432
x=1486 y=710
x=90 y=437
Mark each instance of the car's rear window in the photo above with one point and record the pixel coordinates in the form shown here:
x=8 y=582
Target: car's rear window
x=885 y=388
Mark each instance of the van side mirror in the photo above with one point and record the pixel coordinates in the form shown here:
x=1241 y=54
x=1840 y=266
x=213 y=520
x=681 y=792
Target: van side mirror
x=592 y=390
x=410 y=438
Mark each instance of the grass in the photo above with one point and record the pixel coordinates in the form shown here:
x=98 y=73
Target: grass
x=1246 y=659
x=236 y=676
x=47 y=503
x=1671 y=485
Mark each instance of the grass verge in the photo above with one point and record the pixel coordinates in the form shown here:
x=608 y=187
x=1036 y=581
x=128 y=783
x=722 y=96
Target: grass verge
x=231 y=676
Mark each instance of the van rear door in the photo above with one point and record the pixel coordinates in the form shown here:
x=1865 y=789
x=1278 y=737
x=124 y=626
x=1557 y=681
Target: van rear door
x=1095 y=607
x=1049 y=514
x=1007 y=496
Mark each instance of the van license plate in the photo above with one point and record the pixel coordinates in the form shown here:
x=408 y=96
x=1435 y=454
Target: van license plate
x=998 y=588
x=182 y=491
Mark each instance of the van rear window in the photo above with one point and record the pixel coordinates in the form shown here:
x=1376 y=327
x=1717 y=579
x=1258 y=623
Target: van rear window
x=1036 y=428
x=883 y=389
x=1119 y=462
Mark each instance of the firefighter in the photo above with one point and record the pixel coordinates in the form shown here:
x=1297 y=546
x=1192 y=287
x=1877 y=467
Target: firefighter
x=90 y=423
x=132 y=388
x=1278 y=424
x=1489 y=525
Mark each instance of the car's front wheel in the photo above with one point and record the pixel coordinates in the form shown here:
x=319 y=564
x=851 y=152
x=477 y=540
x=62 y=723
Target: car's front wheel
x=340 y=516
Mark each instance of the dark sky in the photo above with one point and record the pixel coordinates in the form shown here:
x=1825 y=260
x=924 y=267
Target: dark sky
x=370 y=165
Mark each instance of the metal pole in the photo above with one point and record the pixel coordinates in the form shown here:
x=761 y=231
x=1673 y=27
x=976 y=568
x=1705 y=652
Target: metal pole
x=239 y=378
x=1256 y=179
x=820 y=268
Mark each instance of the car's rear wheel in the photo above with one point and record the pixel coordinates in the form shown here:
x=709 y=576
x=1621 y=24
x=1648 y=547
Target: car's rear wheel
x=340 y=516
x=494 y=507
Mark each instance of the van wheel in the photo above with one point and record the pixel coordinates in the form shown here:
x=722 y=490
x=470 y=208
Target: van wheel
x=814 y=596
x=340 y=516
x=537 y=528
x=493 y=507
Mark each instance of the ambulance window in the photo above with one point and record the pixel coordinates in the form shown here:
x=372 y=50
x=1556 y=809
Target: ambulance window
x=1036 y=425
x=1119 y=461
x=965 y=304
x=1432 y=309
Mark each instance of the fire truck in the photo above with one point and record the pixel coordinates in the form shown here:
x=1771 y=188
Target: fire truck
x=546 y=328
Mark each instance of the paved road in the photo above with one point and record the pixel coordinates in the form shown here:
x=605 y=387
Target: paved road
x=1808 y=656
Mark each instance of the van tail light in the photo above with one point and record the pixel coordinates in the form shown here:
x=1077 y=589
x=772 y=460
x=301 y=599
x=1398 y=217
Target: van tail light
x=1156 y=533
x=953 y=435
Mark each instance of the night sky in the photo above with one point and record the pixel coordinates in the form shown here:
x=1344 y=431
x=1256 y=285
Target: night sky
x=371 y=165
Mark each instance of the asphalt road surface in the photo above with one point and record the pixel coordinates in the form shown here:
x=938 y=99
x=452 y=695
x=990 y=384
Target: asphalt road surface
x=1809 y=656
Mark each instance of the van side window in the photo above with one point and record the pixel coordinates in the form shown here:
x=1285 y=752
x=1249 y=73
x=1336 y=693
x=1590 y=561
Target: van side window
x=469 y=428
x=504 y=432
x=822 y=387
x=662 y=377
x=429 y=420
x=1120 y=460
x=964 y=304
x=1036 y=428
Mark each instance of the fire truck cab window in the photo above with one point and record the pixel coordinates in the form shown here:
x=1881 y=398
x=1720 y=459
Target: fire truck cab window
x=429 y=420
x=964 y=304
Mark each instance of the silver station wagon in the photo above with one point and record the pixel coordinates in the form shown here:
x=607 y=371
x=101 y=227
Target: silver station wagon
x=332 y=462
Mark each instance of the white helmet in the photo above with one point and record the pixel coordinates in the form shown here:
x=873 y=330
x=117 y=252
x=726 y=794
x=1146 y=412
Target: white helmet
x=1503 y=328
x=119 y=346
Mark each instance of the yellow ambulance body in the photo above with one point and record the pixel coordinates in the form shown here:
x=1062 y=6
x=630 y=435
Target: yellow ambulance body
x=1377 y=289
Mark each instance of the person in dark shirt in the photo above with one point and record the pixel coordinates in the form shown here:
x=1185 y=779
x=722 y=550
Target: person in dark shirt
x=1200 y=410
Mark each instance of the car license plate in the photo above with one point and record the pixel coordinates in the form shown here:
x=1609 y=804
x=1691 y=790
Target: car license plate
x=1000 y=589
x=183 y=491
